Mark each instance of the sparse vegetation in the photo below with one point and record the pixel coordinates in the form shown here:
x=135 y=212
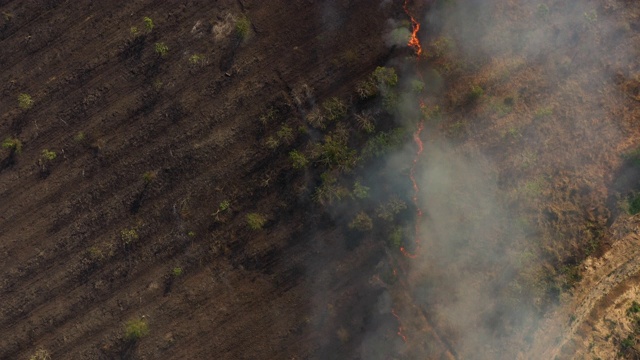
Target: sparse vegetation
x=136 y=329
x=334 y=109
x=256 y=221
x=176 y=271
x=286 y=134
x=360 y=191
x=475 y=92
x=48 y=155
x=40 y=354
x=25 y=101
x=633 y=204
x=387 y=211
x=13 y=145
x=543 y=112
x=161 y=49
x=243 y=27
x=330 y=190
x=148 y=23
x=197 y=59
x=361 y=222
x=80 y=137
x=299 y=160
x=129 y=236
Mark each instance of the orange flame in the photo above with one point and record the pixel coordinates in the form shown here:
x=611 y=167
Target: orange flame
x=414 y=43
x=400 y=330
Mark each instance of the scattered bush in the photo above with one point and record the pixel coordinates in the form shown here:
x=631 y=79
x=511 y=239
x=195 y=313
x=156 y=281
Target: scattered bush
x=243 y=26
x=136 y=329
x=334 y=152
x=381 y=80
x=365 y=123
x=360 y=191
x=148 y=177
x=591 y=17
x=361 y=222
x=390 y=209
x=25 y=101
x=285 y=134
x=395 y=237
x=299 y=160
x=543 y=11
x=148 y=23
x=48 y=155
x=177 y=271
x=382 y=143
x=329 y=191
x=80 y=137
x=633 y=204
x=162 y=49
x=133 y=30
x=543 y=112
x=256 y=221
x=335 y=109
x=316 y=119
x=129 y=236
x=40 y=354
x=475 y=92
x=272 y=142
x=13 y=145
x=196 y=59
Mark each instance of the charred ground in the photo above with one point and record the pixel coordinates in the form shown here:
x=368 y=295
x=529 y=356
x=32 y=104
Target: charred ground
x=150 y=176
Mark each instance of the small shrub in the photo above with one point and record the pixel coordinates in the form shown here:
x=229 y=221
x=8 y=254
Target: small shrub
x=395 y=237
x=272 y=142
x=13 y=145
x=334 y=152
x=269 y=116
x=543 y=11
x=634 y=308
x=316 y=119
x=191 y=234
x=417 y=86
x=475 y=92
x=136 y=329
x=543 y=112
x=633 y=204
x=148 y=177
x=382 y=143
x=591 y=17
x=224 y=205
x=360 y=191
x=196 y=59
x=25 y=101
x=129 y=236
x=148 y=23
x=361 y=222
x=40 y=354
x=243 y=26
x=256 y=221
x=285 y=134
x=162 y=49
x=329 y=191
x=176 y=271
x=365 y=123
x=390 y=209
x=80 y=137
x=133 y=30
x=48 y=155
x=385 y=76
x=299 y=160
x=335 y=109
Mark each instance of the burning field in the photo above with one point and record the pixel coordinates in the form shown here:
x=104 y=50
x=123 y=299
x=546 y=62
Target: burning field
x=341 y=179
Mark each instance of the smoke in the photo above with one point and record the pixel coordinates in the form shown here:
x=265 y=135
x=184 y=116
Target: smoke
x=468 y=292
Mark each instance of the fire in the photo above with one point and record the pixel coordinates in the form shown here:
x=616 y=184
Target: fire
x=400 y=330
x=414 y=43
